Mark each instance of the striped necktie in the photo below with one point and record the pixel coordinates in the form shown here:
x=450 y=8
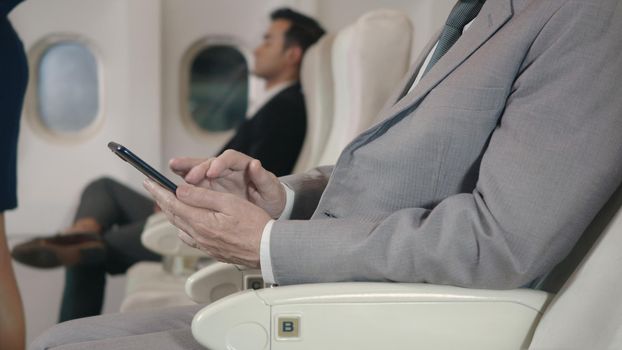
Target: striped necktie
x=463 y=13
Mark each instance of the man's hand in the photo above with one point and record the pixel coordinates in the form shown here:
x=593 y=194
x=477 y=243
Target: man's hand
x=182 y=165
x=226 y=227
x=236 y=173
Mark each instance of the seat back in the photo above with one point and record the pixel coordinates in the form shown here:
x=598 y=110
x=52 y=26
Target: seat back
x=369 y=58
x=316 y=77
x=606 y=222
x=587 y=311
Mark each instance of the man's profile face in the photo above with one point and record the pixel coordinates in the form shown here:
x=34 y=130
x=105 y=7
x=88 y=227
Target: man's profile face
x=270 y=55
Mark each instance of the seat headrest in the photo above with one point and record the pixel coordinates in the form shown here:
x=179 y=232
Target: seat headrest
x=316 y=77
x=369 y=58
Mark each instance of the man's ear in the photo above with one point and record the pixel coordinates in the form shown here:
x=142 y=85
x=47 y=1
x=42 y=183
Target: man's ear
x=294 y=54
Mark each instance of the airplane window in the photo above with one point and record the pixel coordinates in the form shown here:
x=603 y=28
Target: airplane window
x=68 y=87
x=218 y=95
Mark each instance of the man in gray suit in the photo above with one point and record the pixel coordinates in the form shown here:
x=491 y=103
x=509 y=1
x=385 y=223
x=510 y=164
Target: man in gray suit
x=490 y=161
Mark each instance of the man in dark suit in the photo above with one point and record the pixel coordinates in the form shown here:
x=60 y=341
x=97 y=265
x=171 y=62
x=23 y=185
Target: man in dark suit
x=105 y=236
x=276 y=131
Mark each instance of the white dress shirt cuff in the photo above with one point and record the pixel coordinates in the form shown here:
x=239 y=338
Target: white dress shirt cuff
x=265 y=258
x=289 y=203
x=264 y=254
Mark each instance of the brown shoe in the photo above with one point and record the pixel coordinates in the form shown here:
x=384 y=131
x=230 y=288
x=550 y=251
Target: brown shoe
x=61 y=250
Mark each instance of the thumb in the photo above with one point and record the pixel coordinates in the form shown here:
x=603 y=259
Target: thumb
x=182 y=165
x=265 y=182
x=267 y=191
x=198 y=172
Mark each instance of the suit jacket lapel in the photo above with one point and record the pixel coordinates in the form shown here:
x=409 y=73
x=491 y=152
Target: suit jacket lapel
x=410 y=77
x=493 y=16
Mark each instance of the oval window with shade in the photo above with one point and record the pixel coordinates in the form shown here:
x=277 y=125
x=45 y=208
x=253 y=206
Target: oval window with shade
x=67 y=87
x=218 y=88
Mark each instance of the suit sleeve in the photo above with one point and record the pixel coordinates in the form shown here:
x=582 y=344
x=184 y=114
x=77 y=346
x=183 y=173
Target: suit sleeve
x=551 y=164
x=308 y=188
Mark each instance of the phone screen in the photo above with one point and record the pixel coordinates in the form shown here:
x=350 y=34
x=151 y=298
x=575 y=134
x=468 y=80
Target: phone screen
x=142 y=166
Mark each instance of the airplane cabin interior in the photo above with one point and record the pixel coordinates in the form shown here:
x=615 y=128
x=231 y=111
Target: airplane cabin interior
x=171 y=78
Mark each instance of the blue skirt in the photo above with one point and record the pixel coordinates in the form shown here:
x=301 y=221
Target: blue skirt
x=13 y=80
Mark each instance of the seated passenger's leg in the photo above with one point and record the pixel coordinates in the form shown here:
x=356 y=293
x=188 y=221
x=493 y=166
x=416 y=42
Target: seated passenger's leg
x=176 y=339
x=158 y=329
x=109 y=203
x=124 y=248
x=83 y=295
x=104 y=204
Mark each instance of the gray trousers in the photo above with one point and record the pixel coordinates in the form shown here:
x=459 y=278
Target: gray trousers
x=155 y=329
x=122 y=213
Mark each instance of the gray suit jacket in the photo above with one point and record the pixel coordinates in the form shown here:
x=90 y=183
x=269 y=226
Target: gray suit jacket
x=484 y=175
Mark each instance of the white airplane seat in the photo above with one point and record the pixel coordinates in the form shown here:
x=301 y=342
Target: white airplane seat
x=155 y=285
x=584 y=314
x=150 y=286
x=218 y=280
x=370 y=57
x=156 y=237
x=370 y=316
x=316 y=77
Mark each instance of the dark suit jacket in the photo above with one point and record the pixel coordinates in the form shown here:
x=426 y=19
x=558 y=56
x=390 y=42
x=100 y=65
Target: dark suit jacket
x=7 y=5
x=275 y=134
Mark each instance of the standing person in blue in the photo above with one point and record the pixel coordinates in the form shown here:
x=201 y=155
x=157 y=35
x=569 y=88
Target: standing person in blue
x=13 y=80
x=105 y=235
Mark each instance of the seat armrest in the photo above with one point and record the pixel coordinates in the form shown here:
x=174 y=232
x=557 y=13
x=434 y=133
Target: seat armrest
x=155 y=219
x=371 y=316
x=160 y=236
x=218 y=280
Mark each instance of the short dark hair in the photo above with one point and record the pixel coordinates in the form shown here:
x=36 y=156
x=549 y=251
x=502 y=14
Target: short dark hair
x=304 y=31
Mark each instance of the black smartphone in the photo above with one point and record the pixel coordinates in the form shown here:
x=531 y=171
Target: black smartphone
x=142 y=166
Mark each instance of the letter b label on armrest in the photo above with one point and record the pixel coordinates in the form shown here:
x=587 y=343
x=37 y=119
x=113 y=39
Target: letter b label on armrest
x=289 y=327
